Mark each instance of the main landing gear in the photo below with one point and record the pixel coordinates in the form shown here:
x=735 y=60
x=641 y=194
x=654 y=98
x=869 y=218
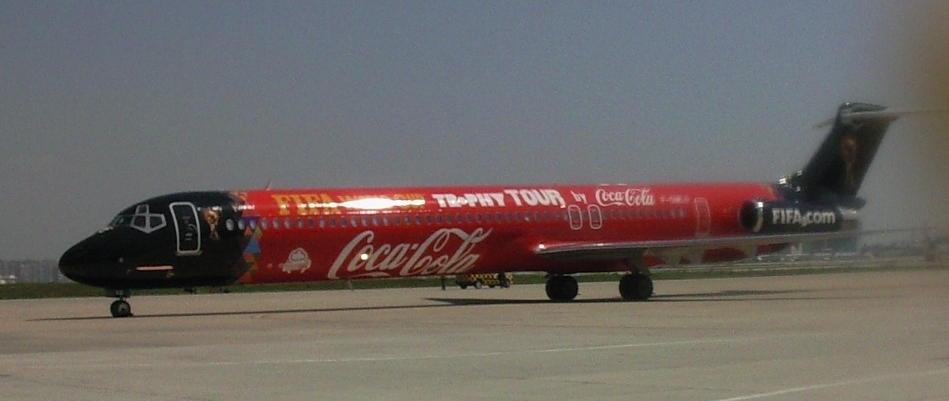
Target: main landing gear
x=121 y=307
x=562 y=288
x=635 y=287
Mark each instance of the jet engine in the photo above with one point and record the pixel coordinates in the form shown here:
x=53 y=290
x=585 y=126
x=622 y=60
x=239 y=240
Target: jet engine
x=789 y=217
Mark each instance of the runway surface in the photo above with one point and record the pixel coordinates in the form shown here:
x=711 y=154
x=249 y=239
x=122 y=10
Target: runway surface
x=848 y=336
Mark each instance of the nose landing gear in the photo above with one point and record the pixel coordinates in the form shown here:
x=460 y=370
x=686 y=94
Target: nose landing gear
x=121 y=307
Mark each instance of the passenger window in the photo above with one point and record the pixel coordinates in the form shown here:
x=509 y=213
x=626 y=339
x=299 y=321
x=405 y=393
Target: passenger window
x=448 y=219
x=321 y=222
x=241 y=225
x=438 y=219
x=478 y=218
x=468 y=217
x=263 y=224
x=342 y=222
x=375 y=221
x=229 y=224
x=365 y=221
x=385 y=221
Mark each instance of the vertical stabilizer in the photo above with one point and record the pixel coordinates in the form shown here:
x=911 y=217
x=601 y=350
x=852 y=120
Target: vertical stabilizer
x=835 y=172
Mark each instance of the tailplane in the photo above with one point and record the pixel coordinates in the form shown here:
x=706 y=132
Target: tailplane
x=836 y=171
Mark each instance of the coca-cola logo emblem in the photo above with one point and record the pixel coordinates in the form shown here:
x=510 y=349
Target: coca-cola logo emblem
x=629 y=197
x=446 y=251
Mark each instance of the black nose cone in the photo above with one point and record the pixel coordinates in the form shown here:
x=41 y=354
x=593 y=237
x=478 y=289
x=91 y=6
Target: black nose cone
x=91 y=261
x=76 y=262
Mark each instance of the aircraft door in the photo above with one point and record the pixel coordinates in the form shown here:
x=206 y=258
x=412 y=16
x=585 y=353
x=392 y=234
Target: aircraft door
x=703 y=218
x=187 y=228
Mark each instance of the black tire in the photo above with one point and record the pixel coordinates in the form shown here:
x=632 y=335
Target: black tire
x=478 y=284
x=569 y=288
x=635 y=287
x=463 y=286
x=562 y=288
x=120 y=308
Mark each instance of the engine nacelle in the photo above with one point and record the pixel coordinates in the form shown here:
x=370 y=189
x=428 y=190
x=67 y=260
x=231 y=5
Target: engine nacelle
x=786 y=217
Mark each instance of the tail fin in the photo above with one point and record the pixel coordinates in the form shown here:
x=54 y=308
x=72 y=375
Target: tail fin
x=835 y=172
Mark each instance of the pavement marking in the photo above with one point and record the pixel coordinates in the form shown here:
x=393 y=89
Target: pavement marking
x=405 y=358
x=834 y=384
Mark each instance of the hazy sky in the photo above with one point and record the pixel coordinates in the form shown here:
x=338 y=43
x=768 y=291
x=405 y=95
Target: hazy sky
x=106 y=103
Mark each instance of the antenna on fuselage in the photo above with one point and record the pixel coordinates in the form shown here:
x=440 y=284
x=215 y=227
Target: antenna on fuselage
x=269 y=183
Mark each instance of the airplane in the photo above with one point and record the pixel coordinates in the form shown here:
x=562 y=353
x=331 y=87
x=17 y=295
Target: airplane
x=219 y=238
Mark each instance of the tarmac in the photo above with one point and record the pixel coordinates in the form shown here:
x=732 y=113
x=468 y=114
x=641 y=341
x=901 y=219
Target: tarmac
x=842 y=336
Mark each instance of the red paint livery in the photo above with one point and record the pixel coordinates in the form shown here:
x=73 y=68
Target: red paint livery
x=307 y=235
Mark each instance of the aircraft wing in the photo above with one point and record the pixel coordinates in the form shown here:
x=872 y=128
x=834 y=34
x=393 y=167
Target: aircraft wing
x=603 y=251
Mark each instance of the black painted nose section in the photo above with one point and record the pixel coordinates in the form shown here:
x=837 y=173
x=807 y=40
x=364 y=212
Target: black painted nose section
x=75 y=261
x=79 y=262
x=88 y=262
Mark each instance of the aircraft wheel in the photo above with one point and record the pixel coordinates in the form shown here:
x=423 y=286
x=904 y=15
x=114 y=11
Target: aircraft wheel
x=463 y=286
x=562 y=288
x=121 y=308
x=477 y=285
x=635 y=287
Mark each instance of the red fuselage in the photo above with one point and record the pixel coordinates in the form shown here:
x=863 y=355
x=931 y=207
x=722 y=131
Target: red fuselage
x=330 y=234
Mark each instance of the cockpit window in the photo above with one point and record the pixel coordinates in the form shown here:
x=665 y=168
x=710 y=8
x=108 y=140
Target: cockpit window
x=142 y=220
x=121 y=220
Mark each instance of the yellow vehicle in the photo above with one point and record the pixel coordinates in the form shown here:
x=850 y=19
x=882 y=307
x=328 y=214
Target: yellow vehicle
x=489 y=279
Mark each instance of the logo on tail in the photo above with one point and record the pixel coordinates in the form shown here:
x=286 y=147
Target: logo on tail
x=836 y=171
